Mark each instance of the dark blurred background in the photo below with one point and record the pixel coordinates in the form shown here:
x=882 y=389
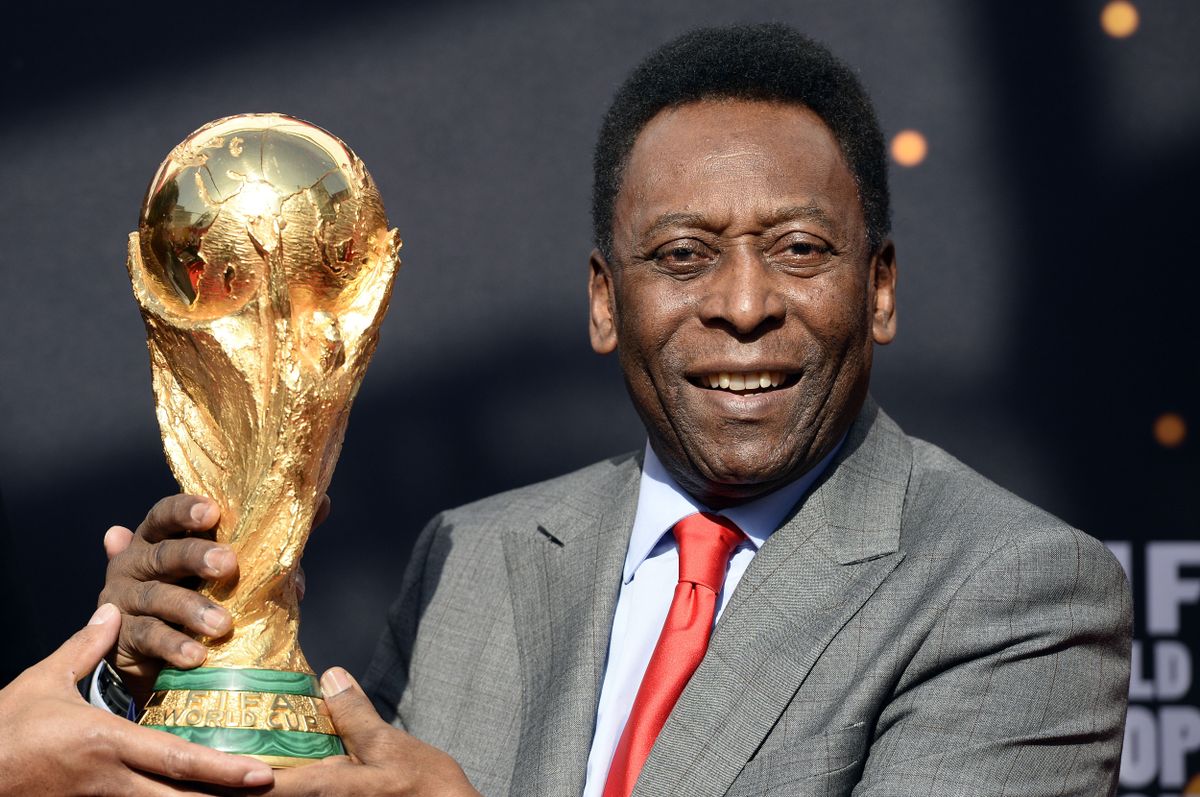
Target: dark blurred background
x=1046 y=241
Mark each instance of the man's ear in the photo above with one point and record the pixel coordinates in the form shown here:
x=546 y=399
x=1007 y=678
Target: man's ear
x=602 y=326
x=883 y=293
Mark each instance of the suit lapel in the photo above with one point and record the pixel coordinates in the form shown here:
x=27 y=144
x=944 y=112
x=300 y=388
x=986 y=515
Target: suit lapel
x=565 y=572
x=806 y=582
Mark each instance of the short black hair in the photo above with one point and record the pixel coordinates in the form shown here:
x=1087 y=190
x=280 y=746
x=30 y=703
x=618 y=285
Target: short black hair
x=771 y=63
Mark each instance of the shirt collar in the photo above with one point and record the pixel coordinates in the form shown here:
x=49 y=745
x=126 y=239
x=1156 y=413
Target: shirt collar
x=662 y=503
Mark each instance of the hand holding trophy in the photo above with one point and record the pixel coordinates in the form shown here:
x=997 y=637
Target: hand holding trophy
x=263 y=265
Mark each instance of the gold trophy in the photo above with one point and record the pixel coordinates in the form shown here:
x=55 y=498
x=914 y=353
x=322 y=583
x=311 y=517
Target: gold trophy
x=263 y=265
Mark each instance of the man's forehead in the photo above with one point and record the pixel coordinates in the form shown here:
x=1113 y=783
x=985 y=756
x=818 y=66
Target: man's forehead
x=729 y=140
x=719 y=157
x=726 y=119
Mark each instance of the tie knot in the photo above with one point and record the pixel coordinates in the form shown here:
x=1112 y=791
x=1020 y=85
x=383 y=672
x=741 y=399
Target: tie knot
x=706 y=542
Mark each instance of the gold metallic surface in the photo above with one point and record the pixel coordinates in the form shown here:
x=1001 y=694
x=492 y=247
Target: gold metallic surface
x=263 y=265
x=251 y=710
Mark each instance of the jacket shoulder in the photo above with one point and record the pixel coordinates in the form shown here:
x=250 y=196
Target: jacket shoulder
x=586 y=491
x=949 y=500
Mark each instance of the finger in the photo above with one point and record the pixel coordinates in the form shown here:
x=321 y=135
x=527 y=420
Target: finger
x=167 y=755
x=151 y=638
x=174 y=604
x=129 y=783
x=333 y=775
x=330 y=776
x=80 y=654
x=133 y=783
x=337 y=760
x=352 y=713
x=301 y=581
x=173 y=560
x=322 y=510
x=116 y=540
x=176 y=515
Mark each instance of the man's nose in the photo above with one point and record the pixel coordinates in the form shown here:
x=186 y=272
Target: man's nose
x=742 y=295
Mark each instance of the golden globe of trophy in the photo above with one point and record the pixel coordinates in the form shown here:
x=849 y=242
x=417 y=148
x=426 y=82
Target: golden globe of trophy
x=263 y=264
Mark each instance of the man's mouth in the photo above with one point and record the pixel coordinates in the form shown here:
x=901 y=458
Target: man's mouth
x=746 y=382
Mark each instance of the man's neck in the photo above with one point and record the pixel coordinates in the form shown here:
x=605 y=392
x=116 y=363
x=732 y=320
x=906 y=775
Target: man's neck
x=662 y=502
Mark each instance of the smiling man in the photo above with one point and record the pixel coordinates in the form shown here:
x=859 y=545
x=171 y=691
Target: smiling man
x=741 y=290
x=783 y=593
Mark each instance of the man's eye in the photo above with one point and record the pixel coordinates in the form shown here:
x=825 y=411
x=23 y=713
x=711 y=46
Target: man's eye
x=678 y=254
x=805 y=248
x=683 y=255
x=802 y=252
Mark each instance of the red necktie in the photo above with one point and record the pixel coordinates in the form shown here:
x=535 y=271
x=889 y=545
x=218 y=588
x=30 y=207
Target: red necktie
x=705 y=544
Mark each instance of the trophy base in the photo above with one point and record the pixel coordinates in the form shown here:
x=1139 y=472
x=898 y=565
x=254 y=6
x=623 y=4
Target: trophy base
x=275 y=716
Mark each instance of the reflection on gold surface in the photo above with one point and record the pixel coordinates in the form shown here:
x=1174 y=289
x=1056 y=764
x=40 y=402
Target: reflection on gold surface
x=263 y=264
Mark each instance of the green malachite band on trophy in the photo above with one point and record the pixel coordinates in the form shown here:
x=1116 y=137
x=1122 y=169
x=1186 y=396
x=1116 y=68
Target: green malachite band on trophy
x=238 y=680
x=284 y=744
x=207 y=706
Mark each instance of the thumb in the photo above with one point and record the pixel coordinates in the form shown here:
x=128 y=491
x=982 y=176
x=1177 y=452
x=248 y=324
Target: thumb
x=116 y=540
x=352 y=713
x=80 y=654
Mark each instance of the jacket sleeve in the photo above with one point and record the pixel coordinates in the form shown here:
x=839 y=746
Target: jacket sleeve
x=387 y=678
x=1022 y=684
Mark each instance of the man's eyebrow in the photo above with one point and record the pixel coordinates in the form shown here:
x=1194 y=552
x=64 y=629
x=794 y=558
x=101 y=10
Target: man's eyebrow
x=811 y=212
x=674 y=220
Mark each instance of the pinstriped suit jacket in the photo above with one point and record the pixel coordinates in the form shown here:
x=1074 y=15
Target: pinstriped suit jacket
x=911 y=629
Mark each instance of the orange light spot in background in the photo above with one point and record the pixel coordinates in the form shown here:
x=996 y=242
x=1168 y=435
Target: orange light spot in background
x=1170 y=430
x=909 y=148
x=1193 y=786
x=1119 y=19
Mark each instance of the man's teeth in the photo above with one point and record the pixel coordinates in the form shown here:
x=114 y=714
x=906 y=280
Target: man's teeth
x=752 y=380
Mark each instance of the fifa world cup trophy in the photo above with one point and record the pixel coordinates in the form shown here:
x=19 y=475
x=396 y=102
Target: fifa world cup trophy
x=263 y=265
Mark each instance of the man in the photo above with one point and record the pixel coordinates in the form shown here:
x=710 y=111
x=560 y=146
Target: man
x=886 y=620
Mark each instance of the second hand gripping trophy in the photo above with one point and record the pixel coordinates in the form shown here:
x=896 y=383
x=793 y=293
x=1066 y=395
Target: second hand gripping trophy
x=263 y=265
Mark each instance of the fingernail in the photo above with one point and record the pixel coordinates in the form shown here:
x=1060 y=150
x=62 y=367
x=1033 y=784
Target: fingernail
x=259 y=777
x=334 y=682
x=201 y=512
x=213 y=619
x=193 y=651
x=218 y=561
x=103 y=614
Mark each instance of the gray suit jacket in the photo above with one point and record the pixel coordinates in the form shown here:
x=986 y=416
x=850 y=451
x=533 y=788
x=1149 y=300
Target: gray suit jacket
x=912 y=629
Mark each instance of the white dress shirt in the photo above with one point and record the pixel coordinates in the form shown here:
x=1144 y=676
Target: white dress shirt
x=648 y=585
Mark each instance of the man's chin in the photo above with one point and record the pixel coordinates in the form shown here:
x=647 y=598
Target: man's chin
x=725 y=479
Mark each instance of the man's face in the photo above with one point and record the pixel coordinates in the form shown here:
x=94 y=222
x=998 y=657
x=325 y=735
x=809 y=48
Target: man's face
x=742 y=297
